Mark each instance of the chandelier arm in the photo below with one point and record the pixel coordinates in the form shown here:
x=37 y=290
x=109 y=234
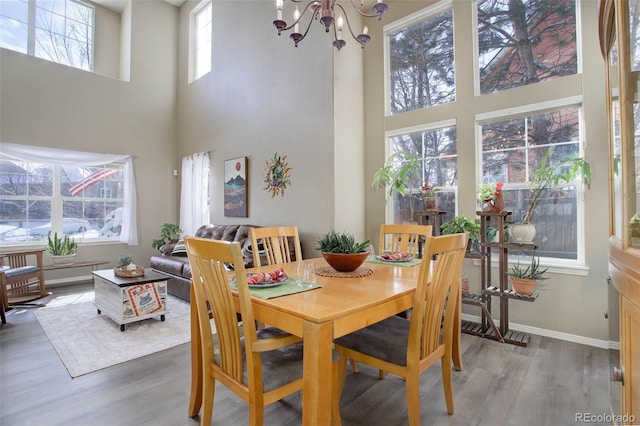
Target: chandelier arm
x=300 y=18
x=357 y=8
x=306 y=31
x=348 y=23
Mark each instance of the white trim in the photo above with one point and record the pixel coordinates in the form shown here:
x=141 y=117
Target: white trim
x=537 y=108
x=416 y=17
x=555 y=265
x=421 y=128
x=582 y=340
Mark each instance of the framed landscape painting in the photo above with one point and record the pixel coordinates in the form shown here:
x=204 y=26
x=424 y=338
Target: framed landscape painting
x=235 y=187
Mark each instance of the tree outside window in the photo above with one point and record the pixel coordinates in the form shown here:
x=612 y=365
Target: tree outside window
x=421 y=72
x=60 y=30
x=524 y=42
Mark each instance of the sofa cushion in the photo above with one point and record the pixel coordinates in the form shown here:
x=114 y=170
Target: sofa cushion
x=171 y=264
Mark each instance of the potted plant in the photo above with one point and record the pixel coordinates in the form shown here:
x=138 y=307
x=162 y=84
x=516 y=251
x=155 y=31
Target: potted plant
x=341 y=251
x=169 y=233
x=431 y=201
x=126 y=267
x=62 y=249
x=461 y=224
x=523 y=281
x=491 y=196
x=544 y=177
x=397 y=178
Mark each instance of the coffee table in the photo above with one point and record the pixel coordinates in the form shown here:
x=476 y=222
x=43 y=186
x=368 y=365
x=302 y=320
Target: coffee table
x=126 y=300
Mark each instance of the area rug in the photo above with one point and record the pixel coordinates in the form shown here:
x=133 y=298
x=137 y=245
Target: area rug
x=86 y=341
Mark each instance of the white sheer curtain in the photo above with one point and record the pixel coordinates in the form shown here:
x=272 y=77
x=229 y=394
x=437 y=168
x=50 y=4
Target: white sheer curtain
x=64 y=157
x=194 y=193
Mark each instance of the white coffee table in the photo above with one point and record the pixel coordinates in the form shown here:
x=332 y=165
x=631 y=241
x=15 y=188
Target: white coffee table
x=126 y=300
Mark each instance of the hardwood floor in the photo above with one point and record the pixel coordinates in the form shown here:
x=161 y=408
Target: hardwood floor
x=546 y=383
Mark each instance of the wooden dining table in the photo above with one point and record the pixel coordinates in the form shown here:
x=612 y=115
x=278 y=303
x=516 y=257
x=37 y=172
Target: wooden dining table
x=338 y=307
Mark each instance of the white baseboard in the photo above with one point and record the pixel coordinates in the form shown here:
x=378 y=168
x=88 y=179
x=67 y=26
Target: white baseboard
x=602 y=344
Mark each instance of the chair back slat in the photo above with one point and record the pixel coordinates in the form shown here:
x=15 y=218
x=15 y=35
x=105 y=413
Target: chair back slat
x=212 y=291
x=397 y=238
x=276 y=242
x=438 y=288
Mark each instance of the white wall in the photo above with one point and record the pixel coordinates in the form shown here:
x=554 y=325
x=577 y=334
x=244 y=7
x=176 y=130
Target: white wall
x=47 y=104
x=264 y=96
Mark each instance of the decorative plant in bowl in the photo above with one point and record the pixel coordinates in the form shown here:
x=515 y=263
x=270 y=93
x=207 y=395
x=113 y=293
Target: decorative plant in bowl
x=62 y=249
x=524 y=280
x=341 y=251
x=126 y=267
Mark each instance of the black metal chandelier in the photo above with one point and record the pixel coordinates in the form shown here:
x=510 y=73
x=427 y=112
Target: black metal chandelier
x=324 y=10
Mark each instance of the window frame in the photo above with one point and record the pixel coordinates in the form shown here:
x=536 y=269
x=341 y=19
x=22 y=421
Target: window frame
x=527 y=111
x=32 y=28
x=194 y=41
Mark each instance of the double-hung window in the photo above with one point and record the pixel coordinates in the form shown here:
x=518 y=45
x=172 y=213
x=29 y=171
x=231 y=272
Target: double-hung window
x=61 y=31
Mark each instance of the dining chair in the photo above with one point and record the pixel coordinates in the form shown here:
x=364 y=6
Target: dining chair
x=259 y=366
x=403 y=237
x=21 y=277
x=407 y=347
x=276 y=243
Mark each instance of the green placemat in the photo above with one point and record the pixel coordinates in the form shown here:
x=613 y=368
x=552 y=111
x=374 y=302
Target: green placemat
x=288 y=287
x=412 y=262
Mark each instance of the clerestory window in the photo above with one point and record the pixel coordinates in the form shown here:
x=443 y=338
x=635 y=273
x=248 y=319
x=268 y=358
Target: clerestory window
x=60 y=31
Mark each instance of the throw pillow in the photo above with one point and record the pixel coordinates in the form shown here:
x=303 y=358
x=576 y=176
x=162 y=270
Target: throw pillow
x=180 y=249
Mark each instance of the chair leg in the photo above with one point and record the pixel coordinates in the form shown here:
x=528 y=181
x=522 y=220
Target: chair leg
x=412 y=384
x=338 y=383
x=208 y=393
x=256 y=413
x=446 y=381
x=354 y=366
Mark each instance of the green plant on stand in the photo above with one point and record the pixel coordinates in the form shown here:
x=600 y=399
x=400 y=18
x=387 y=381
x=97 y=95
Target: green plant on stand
x=169 y=232
x=461 y=224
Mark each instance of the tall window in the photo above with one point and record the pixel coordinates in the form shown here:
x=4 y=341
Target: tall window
x=517 y=44
x=421 y=70
x=436 y=150
x=512 y=149
x=523 y=42
x=201 y=32
x=56 y=30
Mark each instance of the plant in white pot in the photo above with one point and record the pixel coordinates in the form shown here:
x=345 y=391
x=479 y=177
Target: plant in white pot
x=62 y=249
x=547 y=176
x=524 y=280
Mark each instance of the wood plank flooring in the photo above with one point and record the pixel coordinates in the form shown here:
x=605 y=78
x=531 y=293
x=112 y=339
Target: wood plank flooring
x=546 y=383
